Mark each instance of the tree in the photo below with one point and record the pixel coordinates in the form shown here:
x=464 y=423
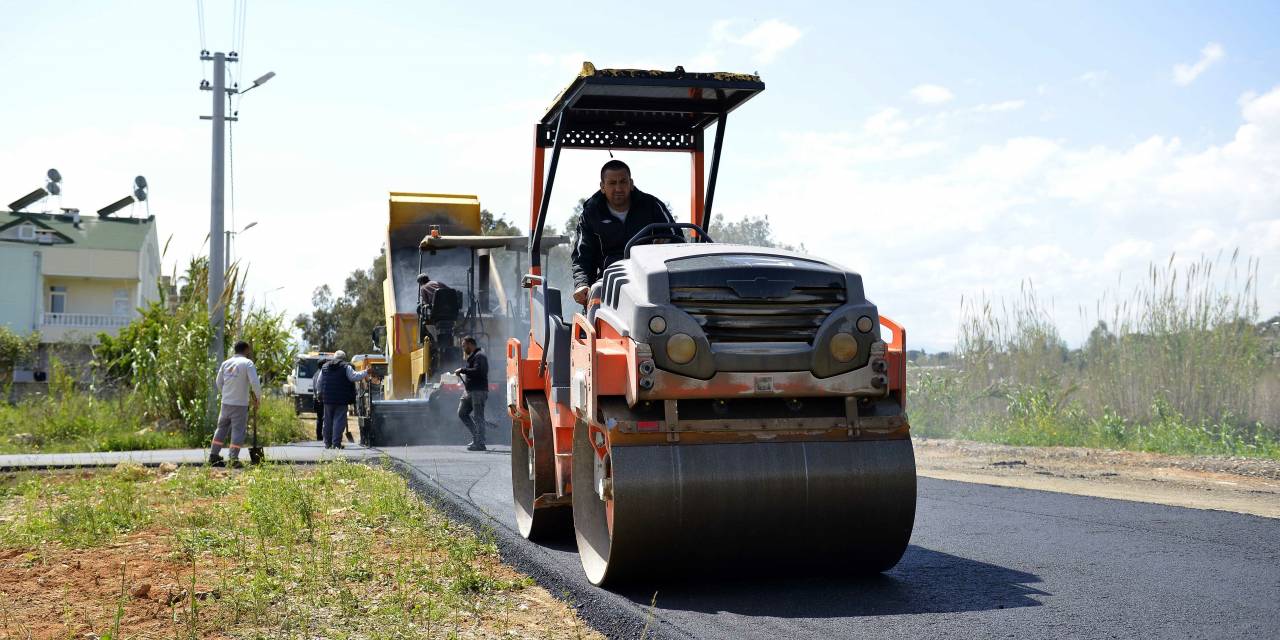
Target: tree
x=346 y=322
x=751 y=230
x=163 y=355
x=14 y=350
x=320 y=327
x=496 y=225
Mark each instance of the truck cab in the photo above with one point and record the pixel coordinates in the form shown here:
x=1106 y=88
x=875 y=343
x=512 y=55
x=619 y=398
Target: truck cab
x=298 y=385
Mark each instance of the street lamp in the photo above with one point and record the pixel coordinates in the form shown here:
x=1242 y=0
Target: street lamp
x=260 y=81
x=264 y=297
x=230 y=234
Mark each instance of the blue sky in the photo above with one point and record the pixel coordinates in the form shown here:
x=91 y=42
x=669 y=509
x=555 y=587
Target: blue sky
x=942 y=151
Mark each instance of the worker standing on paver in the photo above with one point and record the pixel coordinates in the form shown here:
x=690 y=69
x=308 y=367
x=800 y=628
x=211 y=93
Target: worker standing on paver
x=338 y=390
x=238 y=384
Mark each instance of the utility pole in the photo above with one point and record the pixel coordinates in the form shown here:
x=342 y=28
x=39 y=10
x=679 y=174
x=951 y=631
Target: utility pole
x=218 y=251
x=217 y=264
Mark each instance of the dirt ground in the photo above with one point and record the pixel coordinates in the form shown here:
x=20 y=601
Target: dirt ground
x=74 y=592
x=141 y=584
x=1242 y=485
x=61 y=593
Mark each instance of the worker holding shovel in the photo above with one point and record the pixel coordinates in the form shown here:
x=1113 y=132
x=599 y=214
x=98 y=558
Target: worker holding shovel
x=238 y=383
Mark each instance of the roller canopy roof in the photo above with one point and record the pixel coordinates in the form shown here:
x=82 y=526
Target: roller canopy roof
x=643 y=109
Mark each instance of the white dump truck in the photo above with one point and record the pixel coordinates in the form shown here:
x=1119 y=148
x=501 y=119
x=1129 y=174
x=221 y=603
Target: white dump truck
x=298 y=386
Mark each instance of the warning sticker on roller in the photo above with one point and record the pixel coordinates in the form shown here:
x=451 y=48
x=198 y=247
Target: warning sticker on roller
x=764 y=384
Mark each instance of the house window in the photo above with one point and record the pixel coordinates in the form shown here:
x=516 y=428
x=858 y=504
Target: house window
x=57 y=299
x=120 y=306
x=26 y=231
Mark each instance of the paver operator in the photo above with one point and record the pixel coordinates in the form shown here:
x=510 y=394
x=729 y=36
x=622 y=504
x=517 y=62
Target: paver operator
x=338 y=390
x=475 y=392
x=238 y=383
x=610 y=217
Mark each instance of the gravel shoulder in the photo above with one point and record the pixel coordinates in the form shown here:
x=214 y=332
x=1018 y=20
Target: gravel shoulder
x=1241 y=485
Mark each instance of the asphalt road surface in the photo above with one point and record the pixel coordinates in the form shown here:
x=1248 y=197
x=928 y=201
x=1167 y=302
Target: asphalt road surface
x=984 y=562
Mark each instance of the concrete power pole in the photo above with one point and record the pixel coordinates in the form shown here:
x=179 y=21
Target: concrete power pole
x=217 y=267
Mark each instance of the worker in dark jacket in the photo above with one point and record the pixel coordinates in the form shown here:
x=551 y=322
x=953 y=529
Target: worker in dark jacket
x=338 y=390
x=610 y=217
x=317 y=399
x=475 y=377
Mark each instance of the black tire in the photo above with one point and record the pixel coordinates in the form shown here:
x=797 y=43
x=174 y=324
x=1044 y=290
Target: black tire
x=533 y=474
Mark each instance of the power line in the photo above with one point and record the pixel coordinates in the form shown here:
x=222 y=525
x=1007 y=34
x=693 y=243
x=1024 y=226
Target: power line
x=244 y=20
x=231 y=163
x=200 y=22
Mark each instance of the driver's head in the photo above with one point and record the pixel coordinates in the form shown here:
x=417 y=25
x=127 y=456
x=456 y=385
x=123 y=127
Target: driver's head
x=615 y=184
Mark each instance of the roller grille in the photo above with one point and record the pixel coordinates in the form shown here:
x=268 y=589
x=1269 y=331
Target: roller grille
x=727 y=317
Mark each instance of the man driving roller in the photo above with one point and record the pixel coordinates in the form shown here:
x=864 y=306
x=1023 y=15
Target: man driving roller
x=610 y=217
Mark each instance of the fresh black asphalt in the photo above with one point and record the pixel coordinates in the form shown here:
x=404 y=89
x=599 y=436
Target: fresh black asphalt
x=984 y=562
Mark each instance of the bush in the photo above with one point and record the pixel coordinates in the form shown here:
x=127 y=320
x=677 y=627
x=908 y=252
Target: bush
x=1182 y=366
x=163 y=355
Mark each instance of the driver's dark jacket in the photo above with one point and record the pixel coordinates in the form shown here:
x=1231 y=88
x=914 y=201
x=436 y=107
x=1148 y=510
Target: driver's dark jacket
x=600 y=237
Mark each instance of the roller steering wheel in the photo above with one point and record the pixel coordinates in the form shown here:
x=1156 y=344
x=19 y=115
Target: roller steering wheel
x=648 y=234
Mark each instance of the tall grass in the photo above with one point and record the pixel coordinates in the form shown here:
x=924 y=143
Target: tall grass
x=70 y=419
x=1178 y=364
x=336 y=551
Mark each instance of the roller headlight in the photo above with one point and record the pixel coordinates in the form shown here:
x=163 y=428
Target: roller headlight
x=681 y=348
x=657 y=324
x=843 y=347
x=865 y=324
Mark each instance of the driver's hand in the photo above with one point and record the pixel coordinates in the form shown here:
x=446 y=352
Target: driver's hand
x=580 y=295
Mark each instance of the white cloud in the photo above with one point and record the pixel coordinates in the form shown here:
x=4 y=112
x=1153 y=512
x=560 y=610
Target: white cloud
x=567 y=62
x=765 y=41
x=996 y=107
x=1069 y=218
x=931 y=94
x=1185 y=74
x=1092 y=78
x=886 y=122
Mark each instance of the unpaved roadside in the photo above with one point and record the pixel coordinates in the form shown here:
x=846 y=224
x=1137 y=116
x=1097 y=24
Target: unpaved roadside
x=1242 y=485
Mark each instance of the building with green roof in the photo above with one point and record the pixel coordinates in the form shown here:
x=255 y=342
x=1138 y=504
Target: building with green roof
x=70 y=277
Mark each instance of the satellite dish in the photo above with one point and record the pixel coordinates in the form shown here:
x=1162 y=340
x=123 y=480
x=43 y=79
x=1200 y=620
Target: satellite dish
x=53 y=188
x=54 y=176
x=140 y=194
x=140 y=182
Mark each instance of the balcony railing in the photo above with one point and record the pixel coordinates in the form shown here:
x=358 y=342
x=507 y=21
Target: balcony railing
x=85 y=320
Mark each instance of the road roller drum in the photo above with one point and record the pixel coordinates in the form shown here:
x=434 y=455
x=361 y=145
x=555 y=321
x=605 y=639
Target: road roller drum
x=836 y=505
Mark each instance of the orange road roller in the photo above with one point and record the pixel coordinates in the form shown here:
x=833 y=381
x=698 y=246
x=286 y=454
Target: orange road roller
x=713 y=404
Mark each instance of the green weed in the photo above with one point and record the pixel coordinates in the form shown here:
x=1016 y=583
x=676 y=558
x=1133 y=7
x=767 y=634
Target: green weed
x=1180 y=366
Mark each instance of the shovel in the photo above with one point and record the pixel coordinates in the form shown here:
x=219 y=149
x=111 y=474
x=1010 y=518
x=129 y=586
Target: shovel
x=256 y=454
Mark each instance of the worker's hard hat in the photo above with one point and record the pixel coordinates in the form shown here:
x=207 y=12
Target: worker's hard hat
x=340 y=355
x=423 y=278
